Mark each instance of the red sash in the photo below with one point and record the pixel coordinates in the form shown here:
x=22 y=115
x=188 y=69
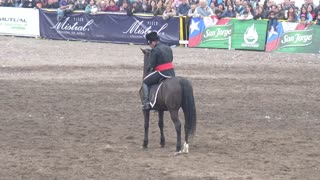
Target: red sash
x=165 y=66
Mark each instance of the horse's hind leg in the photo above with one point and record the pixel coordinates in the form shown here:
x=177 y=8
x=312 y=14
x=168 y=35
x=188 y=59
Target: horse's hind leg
x=162 y=138
x=185 y=144
x=175 y=118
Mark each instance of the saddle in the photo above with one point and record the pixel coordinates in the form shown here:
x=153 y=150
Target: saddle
x=153 y=92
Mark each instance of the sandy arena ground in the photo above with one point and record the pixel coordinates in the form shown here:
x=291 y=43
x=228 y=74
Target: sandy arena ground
x=71 y=111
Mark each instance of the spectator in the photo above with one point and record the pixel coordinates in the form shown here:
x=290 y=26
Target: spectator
x=176 y=3
x=183 y=8
x=214 y=2
x=136 y=7
x=317 y=8
x=306 y=3
x=9 y=3
x=280 y=12
x=80 y=5
x=221 y=7
x=244 y=4
x=91 y=7
x=18 y=3
x=286 y=4
x=124 y=7
x=251 y=12
x=145 y=6
x=273 y=21
x=39 y=4
x=120 y=2
x=239 y=9
x=311 y=11
x=160 y=8
x=291 y=15
x=112 y=6
x=302 y=18
x=293 y=4
x=273 y=8
x=213 y=6
x=228 y=3
x=152 y=6
x=307 y=16
x=102 y=6
x=318 y=19
x=52 y=4
x=229 y=12
x=29 y=4
x=64 y=9
x=203 y=10
x=192 y=10
x=169 y=12
x=260 y=13
x=246 y=15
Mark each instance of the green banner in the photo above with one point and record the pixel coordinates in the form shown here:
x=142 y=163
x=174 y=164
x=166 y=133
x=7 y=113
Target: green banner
x=249 y=34
x=217 y=36
x=301 y=41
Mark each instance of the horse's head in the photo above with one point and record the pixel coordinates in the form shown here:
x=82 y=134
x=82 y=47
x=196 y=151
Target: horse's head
x=147 y=53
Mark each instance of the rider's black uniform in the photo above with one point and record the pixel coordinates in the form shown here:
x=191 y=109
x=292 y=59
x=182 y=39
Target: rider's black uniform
x=160 y=66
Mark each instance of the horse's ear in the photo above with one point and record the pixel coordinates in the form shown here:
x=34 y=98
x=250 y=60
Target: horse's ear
x=143 y=51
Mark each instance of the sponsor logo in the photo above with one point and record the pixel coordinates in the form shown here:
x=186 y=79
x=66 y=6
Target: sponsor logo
x=250 y=37
x=138 y=28
x=218 y=32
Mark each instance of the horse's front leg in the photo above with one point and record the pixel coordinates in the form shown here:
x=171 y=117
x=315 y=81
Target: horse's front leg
x=161 y=123
x=175 y=118
x=146 y=114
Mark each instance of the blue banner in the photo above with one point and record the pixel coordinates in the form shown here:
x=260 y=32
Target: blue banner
x=116 y=28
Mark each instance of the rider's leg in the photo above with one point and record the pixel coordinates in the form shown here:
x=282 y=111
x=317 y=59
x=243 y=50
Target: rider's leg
x=146 y=101
x=148 y=81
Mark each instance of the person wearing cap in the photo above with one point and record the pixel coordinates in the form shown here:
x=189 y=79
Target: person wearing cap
x=160 y=65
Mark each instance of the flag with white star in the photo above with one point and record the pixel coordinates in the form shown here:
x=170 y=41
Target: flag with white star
x=195 y=31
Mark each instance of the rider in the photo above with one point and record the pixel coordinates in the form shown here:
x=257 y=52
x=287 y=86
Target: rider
x=160 y=65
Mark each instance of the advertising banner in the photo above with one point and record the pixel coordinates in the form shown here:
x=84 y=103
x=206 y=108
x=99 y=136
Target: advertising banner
x=249 y=34
x=19 y=21
x=116 y=28
x=210 y=32
x=294 y=37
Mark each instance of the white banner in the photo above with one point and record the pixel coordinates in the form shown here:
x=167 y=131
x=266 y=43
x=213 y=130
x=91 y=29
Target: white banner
x=19 y=21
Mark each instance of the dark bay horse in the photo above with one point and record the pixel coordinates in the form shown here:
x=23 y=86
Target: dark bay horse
x=175 y=93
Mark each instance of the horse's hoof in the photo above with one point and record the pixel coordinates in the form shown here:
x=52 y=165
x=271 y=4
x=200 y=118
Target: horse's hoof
x=178 y=153
x=144 y=147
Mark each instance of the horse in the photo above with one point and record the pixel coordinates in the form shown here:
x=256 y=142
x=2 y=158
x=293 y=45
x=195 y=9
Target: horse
x=173 y=94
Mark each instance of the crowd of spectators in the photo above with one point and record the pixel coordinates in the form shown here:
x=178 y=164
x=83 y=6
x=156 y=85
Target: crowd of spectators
x=243 y=9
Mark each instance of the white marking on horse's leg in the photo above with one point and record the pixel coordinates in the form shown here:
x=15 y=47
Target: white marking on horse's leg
x=185 y=148
x=177 y=153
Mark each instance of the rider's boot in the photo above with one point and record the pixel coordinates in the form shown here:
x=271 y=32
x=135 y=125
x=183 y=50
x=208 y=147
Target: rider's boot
x=146 y=102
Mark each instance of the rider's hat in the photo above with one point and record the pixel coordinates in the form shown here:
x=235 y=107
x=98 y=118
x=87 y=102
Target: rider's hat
x=152 y=36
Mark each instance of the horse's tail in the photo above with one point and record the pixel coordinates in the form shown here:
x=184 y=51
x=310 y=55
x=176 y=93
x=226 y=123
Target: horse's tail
x=188 y=107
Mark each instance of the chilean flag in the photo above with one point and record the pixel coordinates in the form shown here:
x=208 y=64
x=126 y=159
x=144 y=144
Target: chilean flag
x=273 y=38
x=195 y=31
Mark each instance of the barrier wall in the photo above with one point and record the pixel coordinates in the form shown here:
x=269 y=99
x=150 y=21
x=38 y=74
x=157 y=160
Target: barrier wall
x=294 y=37
x=228 y=33
x=19 y=21
x=120 y=28
x=116 y=28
